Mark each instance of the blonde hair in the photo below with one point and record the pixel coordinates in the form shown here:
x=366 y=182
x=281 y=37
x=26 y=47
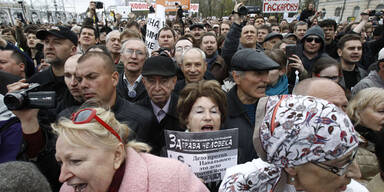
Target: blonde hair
x=367 y=97
x=82 y=134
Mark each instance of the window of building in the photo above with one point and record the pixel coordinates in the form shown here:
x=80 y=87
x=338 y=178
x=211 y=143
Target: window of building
x=380 y=7
x=356 y=12
x=337 y=11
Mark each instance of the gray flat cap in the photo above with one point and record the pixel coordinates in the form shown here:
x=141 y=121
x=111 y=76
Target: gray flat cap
x=252 y=60
x=273 y=35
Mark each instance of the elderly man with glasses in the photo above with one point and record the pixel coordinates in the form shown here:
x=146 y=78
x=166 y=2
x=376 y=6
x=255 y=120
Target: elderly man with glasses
x=133 y=55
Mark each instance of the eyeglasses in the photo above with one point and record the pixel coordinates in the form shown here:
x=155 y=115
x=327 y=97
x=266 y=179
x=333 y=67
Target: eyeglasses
x=340 y=171
x=182 y=49
x=133 y=51
x=310 y=39
x=86 y=116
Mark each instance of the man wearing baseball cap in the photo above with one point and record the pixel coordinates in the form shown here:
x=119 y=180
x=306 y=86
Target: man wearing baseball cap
x=59 y=44
x=159 y=78
x=250 y=69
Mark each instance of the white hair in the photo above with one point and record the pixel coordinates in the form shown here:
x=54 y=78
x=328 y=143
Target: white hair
x=110 y=34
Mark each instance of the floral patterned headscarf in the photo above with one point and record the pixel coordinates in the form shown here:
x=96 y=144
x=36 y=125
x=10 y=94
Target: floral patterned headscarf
x=295 y=130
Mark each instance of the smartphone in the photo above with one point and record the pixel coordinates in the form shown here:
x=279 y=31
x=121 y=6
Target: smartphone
x=290 y=50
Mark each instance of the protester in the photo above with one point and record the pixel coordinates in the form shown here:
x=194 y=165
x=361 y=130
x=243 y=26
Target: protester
x=167 y=39
x=312 y=47
x=250 y=72
x=13 y=62
x=215 y=63
x=197 y=30
x=329 y=27
x=289 y=160
x=375 y=78
x=88 y=37
x=271 y=39
x=319 y=87
x=133 y=56
x=278 y=81
x=105 y=163
x=350 y=51
x=113 y=45
x=365 y=112
x=194 y=68
x=202 y=106
x=159 y=79
x=300 y=29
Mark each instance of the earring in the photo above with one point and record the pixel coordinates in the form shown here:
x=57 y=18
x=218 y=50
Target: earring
x=292 y=179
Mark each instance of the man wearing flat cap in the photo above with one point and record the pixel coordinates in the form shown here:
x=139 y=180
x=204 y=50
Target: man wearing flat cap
x=197 y=30
x=271 y=39
x=159 y=78
x=250 y=69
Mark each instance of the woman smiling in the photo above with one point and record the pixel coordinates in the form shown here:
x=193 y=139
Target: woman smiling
x=93 y=157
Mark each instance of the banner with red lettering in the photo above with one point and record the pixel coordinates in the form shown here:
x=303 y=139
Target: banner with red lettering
x=140 y=6
x=171 y=6
x=280 y=6
x=194 y=8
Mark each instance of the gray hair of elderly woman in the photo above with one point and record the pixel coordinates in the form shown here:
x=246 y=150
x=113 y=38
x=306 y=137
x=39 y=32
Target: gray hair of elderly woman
x=19 y=176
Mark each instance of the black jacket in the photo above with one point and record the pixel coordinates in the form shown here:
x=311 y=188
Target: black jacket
x=46 y=161
x=155 y=135
x=237 y=118
x=131 y=114
x=317 y=31
x=122 y=90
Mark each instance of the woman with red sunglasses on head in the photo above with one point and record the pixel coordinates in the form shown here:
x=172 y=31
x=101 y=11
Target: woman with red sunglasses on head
x=94 y=157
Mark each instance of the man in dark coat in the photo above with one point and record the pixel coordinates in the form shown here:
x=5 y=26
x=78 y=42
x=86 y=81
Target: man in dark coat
x=250 y=73
x=159 y=78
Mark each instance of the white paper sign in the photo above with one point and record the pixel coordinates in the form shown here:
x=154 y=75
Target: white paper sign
x=208 y=154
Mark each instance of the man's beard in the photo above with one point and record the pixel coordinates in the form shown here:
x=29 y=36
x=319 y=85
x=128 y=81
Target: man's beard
x=55 y=62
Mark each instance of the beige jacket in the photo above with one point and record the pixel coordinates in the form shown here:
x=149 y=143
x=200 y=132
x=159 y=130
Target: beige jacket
x=376 y=184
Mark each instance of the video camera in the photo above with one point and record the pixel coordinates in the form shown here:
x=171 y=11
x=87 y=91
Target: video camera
x=245 y=10
x=30 y=98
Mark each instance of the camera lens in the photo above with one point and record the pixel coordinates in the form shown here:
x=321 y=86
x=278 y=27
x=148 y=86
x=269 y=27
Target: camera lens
x=13 y=100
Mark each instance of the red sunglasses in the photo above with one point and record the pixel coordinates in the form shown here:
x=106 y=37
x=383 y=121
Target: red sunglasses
x=86 y=116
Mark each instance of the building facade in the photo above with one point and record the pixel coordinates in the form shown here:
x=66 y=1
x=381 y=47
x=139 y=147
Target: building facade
x=348 y=10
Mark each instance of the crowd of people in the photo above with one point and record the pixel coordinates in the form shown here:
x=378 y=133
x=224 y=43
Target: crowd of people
x=307 y=98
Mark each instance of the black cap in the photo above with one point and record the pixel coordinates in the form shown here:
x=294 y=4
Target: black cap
x=273 y=35
x=201 y=26
x=251 y=60
x=159 y=65
x=60 y=32
x=286 y=36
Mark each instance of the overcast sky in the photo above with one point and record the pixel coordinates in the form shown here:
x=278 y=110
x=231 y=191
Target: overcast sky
x=72 y=5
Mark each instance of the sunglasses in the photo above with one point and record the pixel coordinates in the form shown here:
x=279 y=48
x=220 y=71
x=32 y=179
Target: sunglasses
x=310 y=39
x=86 y=116
x=340 y=171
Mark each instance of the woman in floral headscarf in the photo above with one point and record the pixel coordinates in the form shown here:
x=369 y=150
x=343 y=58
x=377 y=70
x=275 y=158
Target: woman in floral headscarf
x=304 y=144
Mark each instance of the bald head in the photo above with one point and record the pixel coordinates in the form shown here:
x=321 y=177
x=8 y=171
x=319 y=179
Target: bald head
x=69 y=76
x=324 y=89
